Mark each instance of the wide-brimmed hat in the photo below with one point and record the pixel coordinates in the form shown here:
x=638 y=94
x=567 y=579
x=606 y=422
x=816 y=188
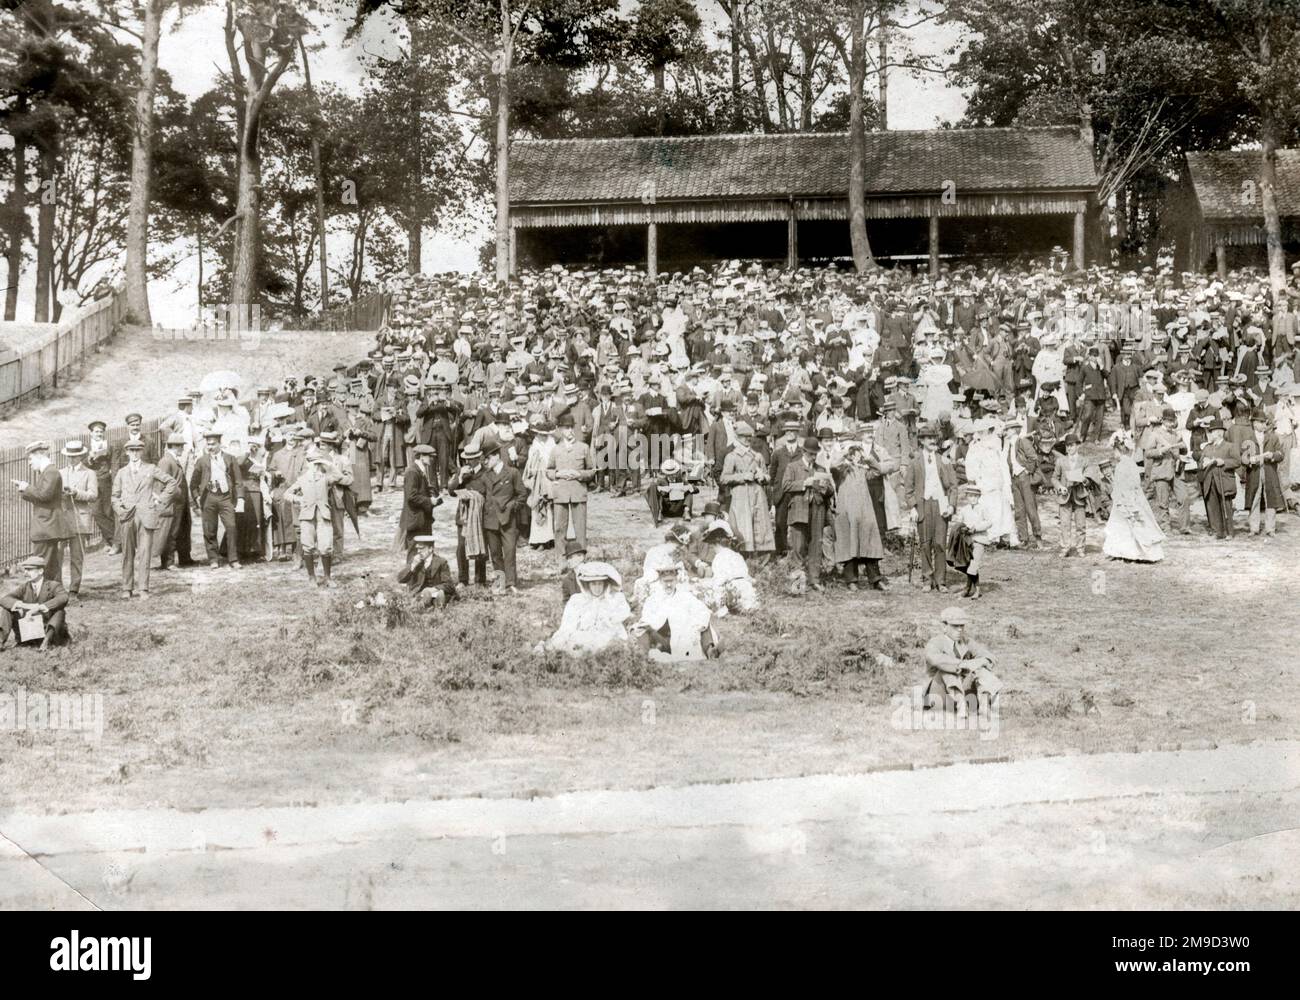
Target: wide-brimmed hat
x=590 y=571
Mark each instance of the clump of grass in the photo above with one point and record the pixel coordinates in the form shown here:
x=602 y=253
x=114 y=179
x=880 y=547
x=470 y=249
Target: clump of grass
x=1058 y=706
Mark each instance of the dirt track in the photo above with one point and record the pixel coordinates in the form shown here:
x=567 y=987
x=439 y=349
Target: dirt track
x=1199 y=829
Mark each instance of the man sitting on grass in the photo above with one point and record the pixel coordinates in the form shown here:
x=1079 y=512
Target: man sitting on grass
x=595 y=618
x=675 y=625
x=427 y=576
x=35 y=598
x=959 y=667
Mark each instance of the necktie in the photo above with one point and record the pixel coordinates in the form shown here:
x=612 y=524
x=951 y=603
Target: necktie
x=219 y=475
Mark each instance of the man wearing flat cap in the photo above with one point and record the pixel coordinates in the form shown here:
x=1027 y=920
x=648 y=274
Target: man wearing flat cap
x=142 y=496
x=427 y=576
x=311 y=495
x=100 y=458
x=52 y=516
x=419 y=497
x=174 y=530
x=35 y=596
x=959 y=668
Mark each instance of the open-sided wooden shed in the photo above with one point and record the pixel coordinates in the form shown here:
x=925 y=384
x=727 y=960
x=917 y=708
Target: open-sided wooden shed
x=676 y=201
x=1219 y=210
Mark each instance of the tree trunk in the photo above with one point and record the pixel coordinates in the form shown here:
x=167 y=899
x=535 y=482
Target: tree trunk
x=17 y=211
x=738 y=117
x=198 y=233
x=248 y=208
x=320 y=184
x=137 y=225
x=862 y=259
x=414 y=225
x=1121 y=221
x=503 y=152
x=661 y=110
x=883 y=78
x=1272 y=218
x=45 y=229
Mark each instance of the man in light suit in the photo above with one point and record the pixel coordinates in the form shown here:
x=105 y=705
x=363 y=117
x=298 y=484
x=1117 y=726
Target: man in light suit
x=142 y=495
x=569 y=470
x=316 y=525
x=217 y=491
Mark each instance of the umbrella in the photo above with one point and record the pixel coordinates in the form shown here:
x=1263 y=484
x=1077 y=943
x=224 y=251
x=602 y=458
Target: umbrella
x=214 y=381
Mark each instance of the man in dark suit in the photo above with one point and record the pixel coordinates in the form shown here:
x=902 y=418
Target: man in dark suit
x=174 y=529
x=440 y=423
x=783 y=454
x=217 y=490
x=35 y=595
x=427 y=576
x=418 y=499
x=609 y=439
x=1123 y=383
x=1093 y=390
x=503 y=493
x=52 y=515
x=930 y=493
x=1219 y=461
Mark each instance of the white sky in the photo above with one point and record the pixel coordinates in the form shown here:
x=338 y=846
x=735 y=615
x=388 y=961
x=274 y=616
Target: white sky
x=192 y=52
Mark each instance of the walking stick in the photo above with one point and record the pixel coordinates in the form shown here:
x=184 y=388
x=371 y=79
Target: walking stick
x=911 y=554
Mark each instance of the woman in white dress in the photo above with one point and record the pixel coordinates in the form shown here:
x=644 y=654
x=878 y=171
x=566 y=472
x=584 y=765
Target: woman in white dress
x=1132 y=531
x=232 y=421
x=986 y=466
x=932 y=383
x=596 y=617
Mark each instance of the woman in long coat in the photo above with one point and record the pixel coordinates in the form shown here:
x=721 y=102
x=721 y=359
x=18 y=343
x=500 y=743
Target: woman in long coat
x=858 y=537
x=745 y=473
x=1261 y=456
x=541 y=523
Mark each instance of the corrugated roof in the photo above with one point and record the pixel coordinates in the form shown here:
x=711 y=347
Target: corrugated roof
x=1219 y=181
x=803 y=164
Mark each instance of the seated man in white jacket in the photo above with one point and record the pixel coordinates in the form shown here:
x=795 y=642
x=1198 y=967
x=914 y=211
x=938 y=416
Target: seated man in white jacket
x=675 y=625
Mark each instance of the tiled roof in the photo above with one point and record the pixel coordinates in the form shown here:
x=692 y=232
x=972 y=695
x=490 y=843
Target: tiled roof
x=1219 y=180
x=802 y=164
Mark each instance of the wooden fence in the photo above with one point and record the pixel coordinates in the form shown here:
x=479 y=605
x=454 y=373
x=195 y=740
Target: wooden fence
x=366 y=313
x=16 y=513
x=38 y=365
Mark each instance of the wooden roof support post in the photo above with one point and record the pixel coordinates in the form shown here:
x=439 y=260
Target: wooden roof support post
x=792 y=239
x=934 y=242
x=1080 y=228
x=652 y=251
x=1221 y=258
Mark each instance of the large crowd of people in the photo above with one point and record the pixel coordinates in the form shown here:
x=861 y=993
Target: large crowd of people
x=822 y=417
